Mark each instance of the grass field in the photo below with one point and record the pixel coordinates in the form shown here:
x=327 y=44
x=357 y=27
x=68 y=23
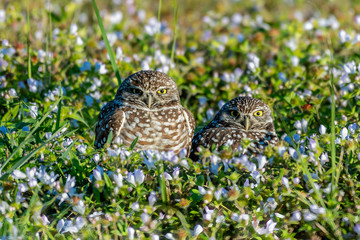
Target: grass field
x=300 y=57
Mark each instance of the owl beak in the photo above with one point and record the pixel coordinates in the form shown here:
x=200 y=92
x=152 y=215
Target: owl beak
x=247 y=123
x=149 y=100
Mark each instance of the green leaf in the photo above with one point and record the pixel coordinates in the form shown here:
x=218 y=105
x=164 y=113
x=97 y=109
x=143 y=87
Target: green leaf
x=107 y=180
x=133 y=144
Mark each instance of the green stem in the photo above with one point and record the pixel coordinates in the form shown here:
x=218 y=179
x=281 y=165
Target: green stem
x=107 y=44
x=28 y=38
x=176 y=10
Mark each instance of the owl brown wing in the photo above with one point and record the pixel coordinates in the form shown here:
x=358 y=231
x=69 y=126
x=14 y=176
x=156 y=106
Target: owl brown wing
x=111 y=118
x=190 y=123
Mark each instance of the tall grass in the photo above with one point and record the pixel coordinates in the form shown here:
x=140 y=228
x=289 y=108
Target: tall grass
x=28 y=38
x=107 y=44
x=176 y=10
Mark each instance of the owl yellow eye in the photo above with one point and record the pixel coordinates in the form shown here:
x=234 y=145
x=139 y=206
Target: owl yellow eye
x=136 y=91
x=258 y=113
x=234 y=113
x=162 y=91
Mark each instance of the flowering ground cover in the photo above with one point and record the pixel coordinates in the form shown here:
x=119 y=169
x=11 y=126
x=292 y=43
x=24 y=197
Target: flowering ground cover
x=302 y=58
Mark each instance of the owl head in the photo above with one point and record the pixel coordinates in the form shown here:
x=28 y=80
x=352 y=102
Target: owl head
x=247 y=113
x=148 y=89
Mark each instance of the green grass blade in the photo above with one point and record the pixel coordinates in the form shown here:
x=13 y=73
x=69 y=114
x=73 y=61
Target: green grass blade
x=157 y=30
x=176 y=10
x=28 y=38
x=107 y=44
x=58 y=115
x=162 y=183
x=183 y=221
x=34 y=128
x=332 y=142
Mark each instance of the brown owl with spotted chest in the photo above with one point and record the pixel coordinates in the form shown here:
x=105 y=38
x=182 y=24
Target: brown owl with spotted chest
x=147 y=105
x=242 y=117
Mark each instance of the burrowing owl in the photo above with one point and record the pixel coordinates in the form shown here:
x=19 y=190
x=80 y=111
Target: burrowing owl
x=242 y=117
x=147 y=105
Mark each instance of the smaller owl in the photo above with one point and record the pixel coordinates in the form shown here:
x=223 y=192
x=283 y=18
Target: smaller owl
x=242 y=117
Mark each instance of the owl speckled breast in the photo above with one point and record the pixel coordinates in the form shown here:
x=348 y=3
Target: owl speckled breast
x=155 y=129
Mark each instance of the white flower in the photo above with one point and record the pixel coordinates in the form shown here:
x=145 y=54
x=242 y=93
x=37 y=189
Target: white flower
x=293 y=153
x=73 y=29
x=167 y=176
x=82 y=148
x=220 y=219
x=145 y=218
x=304 y=124
x=98 y=173
x=103 y=69
x=116 y=17
x=285 y=181
x=344 y=37
x=344 y=133
x=12 y=92
x=118 y=178
x=131 y=178
x=270 y=227
x=176 y=173
x=252 y=66
x=2 y=18
x=324 y=158
x=22 y=187
x=308 y=216
x=45 y=220
x=33 y=111
x=322 y=129
x=155 y=237
x=152 y=198
x=169 y=236
x=261 y=161
x=96 y=158
x=67 y=142
x=152 y=27
x=197 y=230
x=68 y=226
x=297 y=124
x=135 y=206
x=79 y=41
x=236 y=18
x=17 y=174
x=202 y=190
x=296 y=216
x=139 y=176
x=312 y=144
x=131 y=232
x=79 y=207
x=244 y=218
x=350 y=67
x=294 y=61
x=218 y=193
x=317 y=210
x=208 y=213
x=119 y=53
